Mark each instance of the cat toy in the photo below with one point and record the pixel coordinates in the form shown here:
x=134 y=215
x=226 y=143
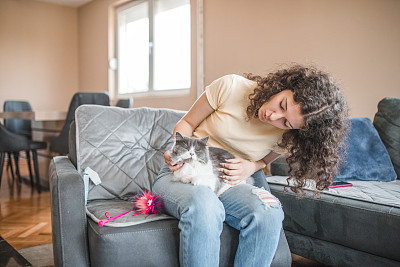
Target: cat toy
x=143 y=203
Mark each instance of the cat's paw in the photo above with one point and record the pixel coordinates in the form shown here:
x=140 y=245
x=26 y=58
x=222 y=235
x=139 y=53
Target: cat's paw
x=186 y=180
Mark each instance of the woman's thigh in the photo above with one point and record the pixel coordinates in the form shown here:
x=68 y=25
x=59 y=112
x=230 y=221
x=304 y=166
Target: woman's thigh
x=260 y=180
x=178 y=197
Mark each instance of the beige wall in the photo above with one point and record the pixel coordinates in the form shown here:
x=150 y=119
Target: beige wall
x=48 y=52
x=358 y=41
x=38 y=53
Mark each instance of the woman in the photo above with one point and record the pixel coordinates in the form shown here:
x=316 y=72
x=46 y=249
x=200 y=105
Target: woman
x=298 y=111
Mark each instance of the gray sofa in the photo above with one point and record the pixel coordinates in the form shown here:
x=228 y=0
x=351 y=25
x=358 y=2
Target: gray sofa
x=125 y=147
x=353 y=226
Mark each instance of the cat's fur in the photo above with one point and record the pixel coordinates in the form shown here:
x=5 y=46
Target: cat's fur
x=201 y=162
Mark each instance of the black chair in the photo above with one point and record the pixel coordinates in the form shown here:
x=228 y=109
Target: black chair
x=59 y=144
x=22 y=127
x=15 y=143
x=18 y=126
x=125 y=102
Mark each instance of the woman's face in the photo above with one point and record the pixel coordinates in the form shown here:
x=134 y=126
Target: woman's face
x=282 y=111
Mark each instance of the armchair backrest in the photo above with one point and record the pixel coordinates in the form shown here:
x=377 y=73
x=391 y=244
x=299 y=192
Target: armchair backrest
x=387 y=123
x=124 y=146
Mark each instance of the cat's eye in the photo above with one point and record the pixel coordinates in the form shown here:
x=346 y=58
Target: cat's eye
x=183 y=145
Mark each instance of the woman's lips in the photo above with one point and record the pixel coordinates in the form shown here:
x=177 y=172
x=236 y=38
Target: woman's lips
x=262 y=115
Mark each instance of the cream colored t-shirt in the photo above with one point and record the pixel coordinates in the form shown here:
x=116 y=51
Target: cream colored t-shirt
x=228 y=127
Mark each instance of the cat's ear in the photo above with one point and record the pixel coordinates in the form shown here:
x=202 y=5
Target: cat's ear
x=205 y=140
x=178 y=136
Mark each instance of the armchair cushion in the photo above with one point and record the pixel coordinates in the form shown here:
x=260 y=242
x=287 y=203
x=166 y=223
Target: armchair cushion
x=96 y=210
x=125 y=147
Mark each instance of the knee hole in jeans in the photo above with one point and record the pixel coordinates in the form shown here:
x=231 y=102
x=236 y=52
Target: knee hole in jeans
x=266 y=197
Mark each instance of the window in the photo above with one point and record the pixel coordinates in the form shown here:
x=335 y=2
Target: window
x=154 y=46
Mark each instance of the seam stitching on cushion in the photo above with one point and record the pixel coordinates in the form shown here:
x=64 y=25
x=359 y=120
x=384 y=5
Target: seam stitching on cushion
x=137 y=232
x=362 y=208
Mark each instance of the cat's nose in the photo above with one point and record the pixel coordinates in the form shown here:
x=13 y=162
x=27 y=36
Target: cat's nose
x=191 y=153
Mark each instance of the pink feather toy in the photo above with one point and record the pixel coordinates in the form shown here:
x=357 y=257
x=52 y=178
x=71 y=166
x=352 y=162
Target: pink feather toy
x=143 y=203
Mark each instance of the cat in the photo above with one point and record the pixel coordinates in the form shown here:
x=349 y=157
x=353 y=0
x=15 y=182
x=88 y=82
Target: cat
x=200 y=162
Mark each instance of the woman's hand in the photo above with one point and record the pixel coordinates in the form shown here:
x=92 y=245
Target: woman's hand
x=172 y=167
x=236 y=170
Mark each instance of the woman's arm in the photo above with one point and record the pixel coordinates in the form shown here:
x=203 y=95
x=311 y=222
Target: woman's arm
x=236 y=170
x=200 y=110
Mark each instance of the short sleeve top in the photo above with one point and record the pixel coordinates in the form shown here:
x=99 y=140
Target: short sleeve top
x=228 y=126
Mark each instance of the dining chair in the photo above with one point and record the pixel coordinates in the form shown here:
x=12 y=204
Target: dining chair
x=59 y=144
x=125 y=102
x=24 y=128
x=14 y=143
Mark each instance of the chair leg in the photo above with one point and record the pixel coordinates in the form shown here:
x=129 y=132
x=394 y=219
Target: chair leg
x=28 y=160
x=10 y=165
x=2 y=157
x=16 y=160
x=36 y=167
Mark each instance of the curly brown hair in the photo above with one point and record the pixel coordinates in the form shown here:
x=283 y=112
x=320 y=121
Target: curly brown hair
x=314 y=150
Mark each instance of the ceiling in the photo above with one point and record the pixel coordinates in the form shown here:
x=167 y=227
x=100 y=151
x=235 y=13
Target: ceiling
x=70 y=3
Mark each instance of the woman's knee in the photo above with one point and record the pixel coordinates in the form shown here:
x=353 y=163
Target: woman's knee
x=269 y=215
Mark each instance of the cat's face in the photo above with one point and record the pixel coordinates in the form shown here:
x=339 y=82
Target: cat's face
x=189 y=148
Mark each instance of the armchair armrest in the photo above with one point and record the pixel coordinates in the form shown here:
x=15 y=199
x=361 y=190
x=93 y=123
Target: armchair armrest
x=68 y=216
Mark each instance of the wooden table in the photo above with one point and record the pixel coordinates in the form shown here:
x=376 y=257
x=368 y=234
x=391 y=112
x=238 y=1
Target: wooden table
x=35 y=115
x=42 y=121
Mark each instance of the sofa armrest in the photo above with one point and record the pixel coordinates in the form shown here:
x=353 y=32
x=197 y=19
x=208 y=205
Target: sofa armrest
x=68 y=216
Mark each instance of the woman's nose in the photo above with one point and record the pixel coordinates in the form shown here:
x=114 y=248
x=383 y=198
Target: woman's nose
x=276 y=116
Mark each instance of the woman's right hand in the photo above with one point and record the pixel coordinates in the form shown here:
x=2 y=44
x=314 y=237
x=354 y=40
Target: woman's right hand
x=172 y=167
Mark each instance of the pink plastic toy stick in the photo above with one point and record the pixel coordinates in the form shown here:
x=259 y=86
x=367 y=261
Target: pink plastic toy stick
x=103 y=222
x=143 y=203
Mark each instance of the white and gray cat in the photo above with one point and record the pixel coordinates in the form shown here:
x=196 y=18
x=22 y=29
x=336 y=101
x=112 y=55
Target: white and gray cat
x=201 y=162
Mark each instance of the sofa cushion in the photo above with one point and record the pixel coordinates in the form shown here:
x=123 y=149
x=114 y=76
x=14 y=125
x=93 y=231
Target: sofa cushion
x=124 y=146
x=364 y=217
x=366 y=160
x=387 y=123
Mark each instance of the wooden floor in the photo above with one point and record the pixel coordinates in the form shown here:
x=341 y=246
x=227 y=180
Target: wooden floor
x=25 y=215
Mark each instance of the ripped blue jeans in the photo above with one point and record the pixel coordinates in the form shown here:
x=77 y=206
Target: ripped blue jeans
x=253 y=211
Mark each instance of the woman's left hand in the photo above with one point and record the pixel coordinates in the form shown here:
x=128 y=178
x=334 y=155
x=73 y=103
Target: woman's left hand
x=236 y=170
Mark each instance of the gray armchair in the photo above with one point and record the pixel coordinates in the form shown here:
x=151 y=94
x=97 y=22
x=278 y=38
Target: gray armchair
x=125 y=147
